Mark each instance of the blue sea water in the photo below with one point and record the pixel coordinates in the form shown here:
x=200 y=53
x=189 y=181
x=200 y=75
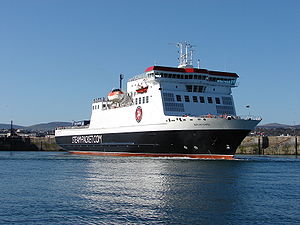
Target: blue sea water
x=60 y=188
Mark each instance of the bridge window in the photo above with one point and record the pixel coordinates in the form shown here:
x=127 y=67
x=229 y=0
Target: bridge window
x=195 y=88
x=195 y=99
x=187 y=98
x=202 y=100
x=178 y=98
x=218 y=101
x=189 y=88
x=209 y=99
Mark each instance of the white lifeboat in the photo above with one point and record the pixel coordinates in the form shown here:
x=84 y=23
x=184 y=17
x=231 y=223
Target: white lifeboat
x=116 y=95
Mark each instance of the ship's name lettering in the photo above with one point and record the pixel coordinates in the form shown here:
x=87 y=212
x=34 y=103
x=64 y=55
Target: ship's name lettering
x=201 y=124
x=87 y=139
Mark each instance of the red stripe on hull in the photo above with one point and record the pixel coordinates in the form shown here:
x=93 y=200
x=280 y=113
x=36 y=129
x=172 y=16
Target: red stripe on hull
x=128 y=154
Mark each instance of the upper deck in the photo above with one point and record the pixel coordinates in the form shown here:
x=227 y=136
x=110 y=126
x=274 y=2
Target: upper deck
x=180 y=90
x=208 y=76
x=190 y=70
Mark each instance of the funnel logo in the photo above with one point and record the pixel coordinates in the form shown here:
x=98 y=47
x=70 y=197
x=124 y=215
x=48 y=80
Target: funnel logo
x=138 y=114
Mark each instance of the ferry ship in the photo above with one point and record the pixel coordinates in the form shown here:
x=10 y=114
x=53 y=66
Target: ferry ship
x=165 y=112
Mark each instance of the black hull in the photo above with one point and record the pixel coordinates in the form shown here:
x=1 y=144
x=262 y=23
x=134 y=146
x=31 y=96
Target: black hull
x=220 y=142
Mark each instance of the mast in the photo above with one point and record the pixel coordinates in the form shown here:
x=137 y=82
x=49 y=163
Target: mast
x=185 y=54
x=121 y=78
x=12 y=132
x=11 y=128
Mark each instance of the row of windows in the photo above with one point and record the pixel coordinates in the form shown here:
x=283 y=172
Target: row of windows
x=201 y=99
x=182 y=76
x=174 y=107
x=169 y=97
x=96 y=107
x=104 y=106
x=225 y=109
x=195 y=88
x=138 y=101
x=227 y=101
x=142 y=100
x=197 y=77
x=179 y=107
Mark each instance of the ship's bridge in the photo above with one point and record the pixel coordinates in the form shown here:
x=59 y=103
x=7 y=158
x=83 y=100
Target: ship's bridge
x=210 y=76
x=191 y=73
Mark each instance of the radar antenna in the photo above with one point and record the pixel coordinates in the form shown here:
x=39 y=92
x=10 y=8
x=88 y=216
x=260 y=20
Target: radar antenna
x=185 y=54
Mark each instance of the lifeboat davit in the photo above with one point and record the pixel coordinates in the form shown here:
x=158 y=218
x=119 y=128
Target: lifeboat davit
x=116 y=95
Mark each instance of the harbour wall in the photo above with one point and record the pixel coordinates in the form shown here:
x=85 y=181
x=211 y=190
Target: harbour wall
x=25 y=143
x=271 y=145
x=45 y=143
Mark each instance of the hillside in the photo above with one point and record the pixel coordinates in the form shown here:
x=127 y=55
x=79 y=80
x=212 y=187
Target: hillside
x=7 y=126
x=48 y=126
x=40 y=127
x=278 y=126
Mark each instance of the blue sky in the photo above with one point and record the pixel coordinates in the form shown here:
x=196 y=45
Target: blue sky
x=56 y=56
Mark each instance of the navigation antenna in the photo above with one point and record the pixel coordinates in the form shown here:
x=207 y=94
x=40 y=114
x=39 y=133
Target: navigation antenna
x=185 y=54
